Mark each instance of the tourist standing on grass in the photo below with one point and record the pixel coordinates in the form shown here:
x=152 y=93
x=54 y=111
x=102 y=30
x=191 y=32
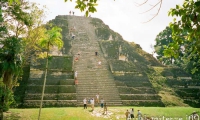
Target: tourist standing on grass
x=127 y=114
x=102 y=101
x=105 y=108
x=132 y=113
x=85 y=103
x=97 y=98
x=92 y=103
x=139 y=115
x=89 y=100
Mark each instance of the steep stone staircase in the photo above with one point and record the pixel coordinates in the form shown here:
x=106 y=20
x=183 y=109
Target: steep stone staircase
x=92 y=78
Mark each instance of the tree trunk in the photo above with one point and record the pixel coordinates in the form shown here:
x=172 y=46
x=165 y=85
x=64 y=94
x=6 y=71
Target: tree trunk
x=1 y=114
x=7 y=79
x=44 y=84
x=1 y=105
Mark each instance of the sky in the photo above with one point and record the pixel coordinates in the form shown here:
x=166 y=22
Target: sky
x=123 y=16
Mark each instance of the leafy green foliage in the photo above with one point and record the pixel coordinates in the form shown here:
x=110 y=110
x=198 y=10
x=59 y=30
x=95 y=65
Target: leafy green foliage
x=7 y=97
x=15 y=18
x=62 y=22
x=186 y=32
x=162 y=40
x=53 y=37
x=10 y=57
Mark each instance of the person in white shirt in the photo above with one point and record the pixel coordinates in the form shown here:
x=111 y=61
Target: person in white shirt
x=97 y=98
x=99 y=63
x=85 y=103
x=76 y=74
x=102 y=102
x=92 y=103
x=132 y=114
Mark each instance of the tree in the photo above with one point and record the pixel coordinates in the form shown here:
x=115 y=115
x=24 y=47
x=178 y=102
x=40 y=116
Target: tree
x=10 y=69
x=19 y=32
x=53 y=38
x=187 y=58
x=192 y=62
x=163 y=40
x=11 y=48
x=34 y=33
x=185 y=31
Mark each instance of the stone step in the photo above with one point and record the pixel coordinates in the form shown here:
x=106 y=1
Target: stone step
x=51 y=89
x=84 y=48
x=93 y=93
x=85 y=95
x=97 y=88
x=92 y=80
x=50 y=100
x=59 y=96
x=139 y=87
x=85 y=83
x=95 y=80
x=51 y=85
x=82 y=63
x=52 y=82
x=95 y=77
x=141 y=100
x=94 y=85
x=104 y=97
x=108 y=104
x=49 y=103
x=140 y=94
x=94 y=72
x=110 y=101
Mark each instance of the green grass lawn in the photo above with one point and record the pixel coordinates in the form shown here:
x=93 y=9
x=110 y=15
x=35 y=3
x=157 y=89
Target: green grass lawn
x=114 y=113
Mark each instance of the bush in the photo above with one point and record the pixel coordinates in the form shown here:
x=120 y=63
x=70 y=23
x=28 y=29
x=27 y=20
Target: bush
x=7 y=97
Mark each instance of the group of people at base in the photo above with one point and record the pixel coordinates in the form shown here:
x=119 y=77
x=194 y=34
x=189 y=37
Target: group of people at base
x=130 y=114
x=92 y=101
